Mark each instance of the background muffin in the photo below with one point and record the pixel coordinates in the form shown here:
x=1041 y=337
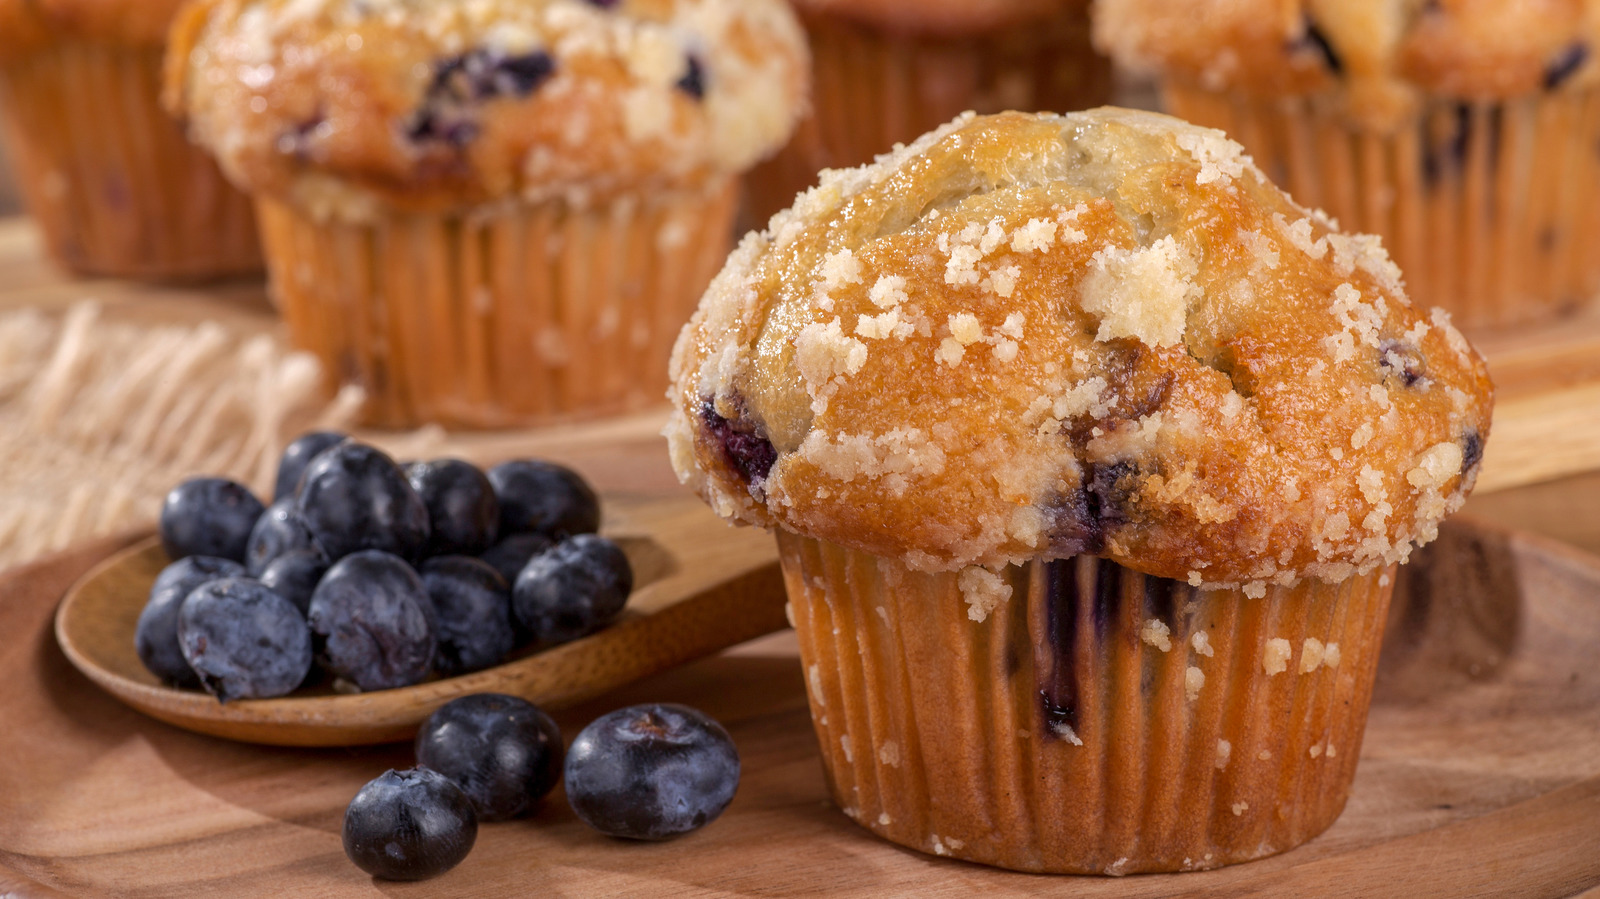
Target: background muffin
x=1089 y=455
x=885 y=71
x=490 y=213
x=1462 y=131
x=107 y=175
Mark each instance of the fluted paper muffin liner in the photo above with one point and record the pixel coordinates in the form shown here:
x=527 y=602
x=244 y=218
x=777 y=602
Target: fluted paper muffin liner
x=1096 y=721
x=873 y=88
x=522 y=314
x=1486 y=206
x=109 y=176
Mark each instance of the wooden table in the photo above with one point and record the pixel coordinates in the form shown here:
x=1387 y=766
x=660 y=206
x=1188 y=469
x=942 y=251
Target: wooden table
x=150 y=810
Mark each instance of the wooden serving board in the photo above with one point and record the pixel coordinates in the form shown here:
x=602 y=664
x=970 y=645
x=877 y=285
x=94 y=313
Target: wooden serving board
x=1479 y=774
x=700 y=586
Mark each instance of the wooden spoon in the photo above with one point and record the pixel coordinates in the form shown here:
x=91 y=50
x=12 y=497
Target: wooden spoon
x=701 y=586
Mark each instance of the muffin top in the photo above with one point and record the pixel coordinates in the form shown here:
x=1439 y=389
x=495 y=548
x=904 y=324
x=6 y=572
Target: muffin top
x=939 y=17
x=347 y=107
x=26 y=25
x=1379 y=51
x=1037 y=336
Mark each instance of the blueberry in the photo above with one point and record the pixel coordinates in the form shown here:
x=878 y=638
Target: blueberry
x=503 y=752
x=155 y=637
x=745 y=448
x=510 y=555
x=651 y=772
x=472 y=607
x=463 y=514
x=409 y=825
x=574 y=588
x=544 y=498
x=374 y=621
x=243 y=640
x=294 y=576
x=208 y=517
x=297 y=455
x=353 y=497
x=279 y=530
x=693 y=81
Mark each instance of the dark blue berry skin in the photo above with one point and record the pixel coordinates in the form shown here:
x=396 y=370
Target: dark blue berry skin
x=544 y=498
x=409 y=825
x=295 y=575
x=374 y=621
x=472 y=610
x=279 y=530
x=297 y=455
x=574 y=588
x=463 y=514
x=353 y=497
x=208 y=517
x=651 y=772
x=155 y=637
x=503 y=752
x=510 y=555
x=243 y=640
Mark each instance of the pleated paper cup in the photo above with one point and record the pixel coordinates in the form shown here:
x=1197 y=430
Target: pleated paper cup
x=110 y=178
x=1095 y=721
x=522 y=314
x=1487 y=207
x=873 y=88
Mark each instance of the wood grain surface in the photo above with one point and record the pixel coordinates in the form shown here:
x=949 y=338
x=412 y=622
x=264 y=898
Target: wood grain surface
x=1478 y=774
x=699 y=587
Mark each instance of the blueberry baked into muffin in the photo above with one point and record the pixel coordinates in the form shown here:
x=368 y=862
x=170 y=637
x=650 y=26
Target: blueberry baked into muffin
x=494 y=212
x=1462 y=131
x=885 y=71
x=1090 y=456
x=108 y=177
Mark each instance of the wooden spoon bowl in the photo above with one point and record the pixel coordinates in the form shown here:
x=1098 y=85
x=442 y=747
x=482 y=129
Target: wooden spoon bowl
x=692 y=597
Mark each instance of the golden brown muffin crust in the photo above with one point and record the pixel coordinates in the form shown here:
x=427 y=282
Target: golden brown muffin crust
x=27 y=24
x=346 y=106
x=1377 y=53
x=1106 y=333
x=939 y=17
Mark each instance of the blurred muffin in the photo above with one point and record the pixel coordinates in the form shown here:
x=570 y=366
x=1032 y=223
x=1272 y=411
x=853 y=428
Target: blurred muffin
x=885 y=71
x=1089 y=456
x=1462 y=131
x=104 y=171
x=490 y=213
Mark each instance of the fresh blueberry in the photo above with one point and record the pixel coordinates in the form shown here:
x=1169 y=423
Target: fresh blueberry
x=279 y=530
x=574 y=588
x=462 y=512
x=155 y=637
x=353 y=497
x=472 y=608
x=503 y=752
x=544 y=498
x=243 y=640
x=510 y=555
x=295 y=575
x=374 y=620
x=208 y=517
x=297 y=455
x=651 y=772
x=409 y=825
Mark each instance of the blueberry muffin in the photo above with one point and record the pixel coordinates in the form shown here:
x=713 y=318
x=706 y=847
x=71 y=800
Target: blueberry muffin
x=108 y=177
x=490 y=213
x=1462 y=131
x=885 y=71
x=1090 y=456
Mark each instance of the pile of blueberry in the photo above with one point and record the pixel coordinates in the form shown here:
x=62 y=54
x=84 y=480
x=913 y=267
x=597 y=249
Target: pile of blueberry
x=648 y=772
x=379 y=574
